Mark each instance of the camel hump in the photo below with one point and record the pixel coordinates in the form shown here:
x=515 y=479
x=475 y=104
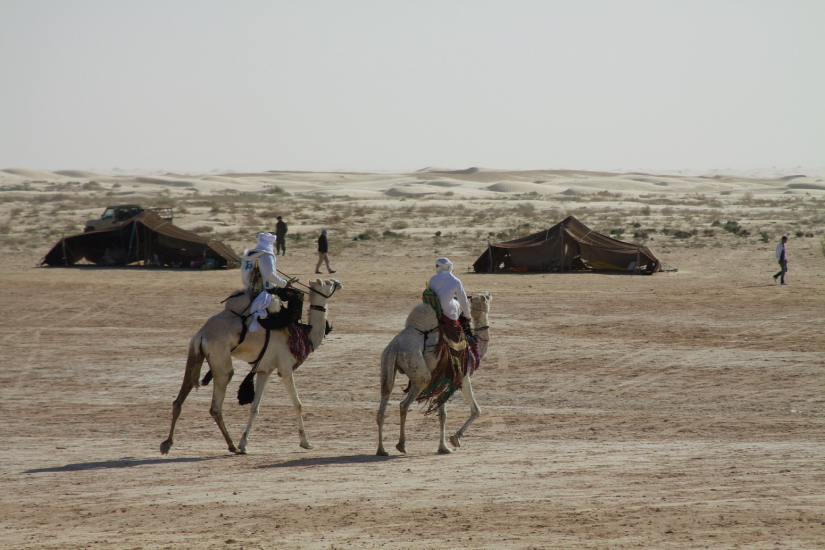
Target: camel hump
x=240 y=300
x=237 y=301
x=422 y=317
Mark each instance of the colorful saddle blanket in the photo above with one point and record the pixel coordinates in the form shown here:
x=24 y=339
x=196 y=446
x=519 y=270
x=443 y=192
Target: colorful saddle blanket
x=457 y=356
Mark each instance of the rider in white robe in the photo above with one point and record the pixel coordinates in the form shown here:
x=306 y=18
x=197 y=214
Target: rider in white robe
x=265 y=256
x=449 y=290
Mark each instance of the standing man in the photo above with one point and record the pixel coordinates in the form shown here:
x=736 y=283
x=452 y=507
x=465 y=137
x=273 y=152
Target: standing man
x=323 y=250
x=783 y=263
x=280 y=232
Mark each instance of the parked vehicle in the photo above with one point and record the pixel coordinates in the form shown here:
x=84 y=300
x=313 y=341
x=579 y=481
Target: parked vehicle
x=122 y=212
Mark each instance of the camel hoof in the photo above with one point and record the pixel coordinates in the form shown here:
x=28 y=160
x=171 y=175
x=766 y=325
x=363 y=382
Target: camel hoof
x=455 y=441
x=241 y=452
x=444 y=451
x=382 y=452
x=165 y=446
x=401 y=448
x=307 y=445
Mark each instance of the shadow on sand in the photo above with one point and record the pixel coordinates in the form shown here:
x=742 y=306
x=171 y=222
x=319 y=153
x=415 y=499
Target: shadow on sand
x=127 y=462
x=351 y=459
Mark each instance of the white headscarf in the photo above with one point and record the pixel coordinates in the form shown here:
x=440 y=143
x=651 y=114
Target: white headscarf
x=443 y=264
x=265 y=242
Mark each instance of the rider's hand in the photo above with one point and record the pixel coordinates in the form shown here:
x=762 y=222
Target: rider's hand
x=288 y=284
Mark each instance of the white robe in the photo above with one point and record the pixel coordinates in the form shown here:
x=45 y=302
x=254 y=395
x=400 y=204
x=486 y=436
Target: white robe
x=266 y=265
x=451 y=294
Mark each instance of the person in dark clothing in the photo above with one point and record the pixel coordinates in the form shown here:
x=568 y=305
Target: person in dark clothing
x=323 y=250
x=783 y=262
x=280 y=232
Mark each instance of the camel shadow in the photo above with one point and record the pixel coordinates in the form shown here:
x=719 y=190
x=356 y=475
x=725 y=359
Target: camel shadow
x=351 y=459
x=127 y=462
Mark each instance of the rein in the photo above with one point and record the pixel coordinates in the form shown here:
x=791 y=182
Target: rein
x=479 y=329
x=295 y=280
x=426 y=333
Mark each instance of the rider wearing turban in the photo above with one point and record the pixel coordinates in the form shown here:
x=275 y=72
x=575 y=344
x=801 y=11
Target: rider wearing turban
x=449 y=290
x=264 y=257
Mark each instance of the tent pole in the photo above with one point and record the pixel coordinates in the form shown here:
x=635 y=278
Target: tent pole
x=561 y=251
x=638 y=259
x=129 y=253
x=490 y=256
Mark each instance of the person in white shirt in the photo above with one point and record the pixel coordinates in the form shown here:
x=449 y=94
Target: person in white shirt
x=265 y=257
x=449 y=290
x=783 y=262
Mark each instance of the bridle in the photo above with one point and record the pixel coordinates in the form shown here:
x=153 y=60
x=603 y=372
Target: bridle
x=295 y=280
x=479 y=329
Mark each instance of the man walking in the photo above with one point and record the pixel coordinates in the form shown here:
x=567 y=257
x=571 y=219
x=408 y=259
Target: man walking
x=783 y=262
x=323 y=250
x=280 y=232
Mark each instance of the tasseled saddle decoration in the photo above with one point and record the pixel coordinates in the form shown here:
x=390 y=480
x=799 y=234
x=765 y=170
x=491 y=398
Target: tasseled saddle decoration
x=299 y=344
x=457 y=356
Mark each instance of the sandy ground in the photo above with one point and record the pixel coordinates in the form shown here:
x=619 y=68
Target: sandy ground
x=681 y=410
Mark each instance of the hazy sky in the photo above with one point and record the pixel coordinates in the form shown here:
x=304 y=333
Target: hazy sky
x=390 y=85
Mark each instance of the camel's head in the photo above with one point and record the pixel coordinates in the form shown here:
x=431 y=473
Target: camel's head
x=325 y=288
x=480 y=303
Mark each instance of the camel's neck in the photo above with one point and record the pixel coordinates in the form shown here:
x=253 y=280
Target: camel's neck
x=318 y=320
x=483 y=336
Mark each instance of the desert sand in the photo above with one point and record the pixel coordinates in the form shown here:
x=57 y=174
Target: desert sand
x=679 y=410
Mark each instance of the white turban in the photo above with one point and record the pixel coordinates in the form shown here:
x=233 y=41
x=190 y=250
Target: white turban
x=443 y=264
x=265 y=241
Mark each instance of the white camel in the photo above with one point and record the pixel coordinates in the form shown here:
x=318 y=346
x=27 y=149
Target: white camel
x=217 y=342
x=412 y=352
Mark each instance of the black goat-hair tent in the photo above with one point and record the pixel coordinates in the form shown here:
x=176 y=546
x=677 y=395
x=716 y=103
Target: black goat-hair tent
x=145 y=238
x=567 y=246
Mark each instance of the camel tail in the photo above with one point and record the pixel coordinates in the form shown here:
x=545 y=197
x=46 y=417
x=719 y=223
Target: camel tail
x=194 y=361
x=388 y=369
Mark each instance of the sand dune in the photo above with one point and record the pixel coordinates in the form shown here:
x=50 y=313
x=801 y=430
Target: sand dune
x=817 y=186
x=522 y=187
x=159 y=180
x=471 y=182
x=80 y=174
x=33 y=174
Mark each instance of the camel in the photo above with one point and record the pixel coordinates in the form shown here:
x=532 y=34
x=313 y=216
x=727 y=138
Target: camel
x=412 y=352
x=217 y=342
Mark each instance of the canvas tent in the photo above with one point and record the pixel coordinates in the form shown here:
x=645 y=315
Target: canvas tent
x=144 y=238
x=568 y=245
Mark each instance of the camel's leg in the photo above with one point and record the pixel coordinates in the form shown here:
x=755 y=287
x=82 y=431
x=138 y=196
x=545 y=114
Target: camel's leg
x=260 y=382
x=289 y=382
x=382 y=411
x=467 y=392
x=194 y=361
x=414 y=389
x=387 y=383
x=177 y=406
x=221 y=381
x=442 y=421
